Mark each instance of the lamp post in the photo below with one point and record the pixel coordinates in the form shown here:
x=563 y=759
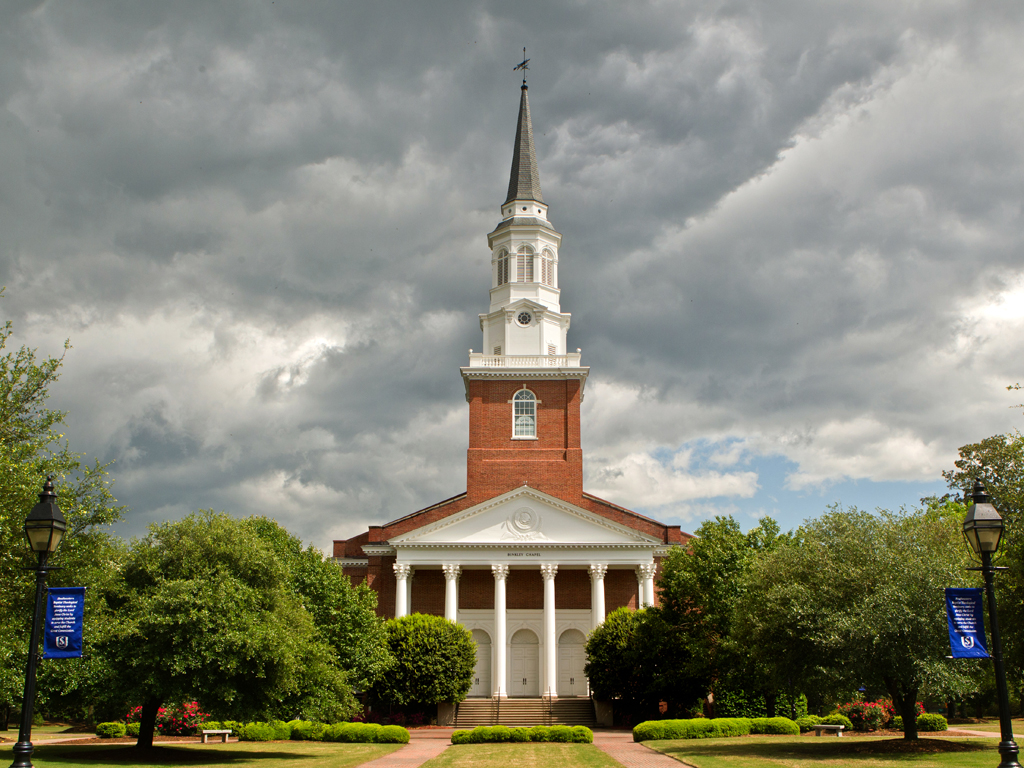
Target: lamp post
x=983 y=527
x=44 y=527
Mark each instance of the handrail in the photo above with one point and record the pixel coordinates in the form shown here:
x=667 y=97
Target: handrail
x=480 y=360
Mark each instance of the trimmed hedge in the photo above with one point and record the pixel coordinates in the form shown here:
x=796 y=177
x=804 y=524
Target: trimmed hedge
x=930 y=722
x=807 y=722
x=775 y=725
x=111 y=730
x=837 y=719
x=484 y=734
x=699 y=728
x=132 y=729
x=306 y=730
x=897 y=723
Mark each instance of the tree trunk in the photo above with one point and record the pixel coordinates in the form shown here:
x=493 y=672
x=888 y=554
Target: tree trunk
x=769 y=703
x=905 y=703
x=7 y=717
x=147 y=723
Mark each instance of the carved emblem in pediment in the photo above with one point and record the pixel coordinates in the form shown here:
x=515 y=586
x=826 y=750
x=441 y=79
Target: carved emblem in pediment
x=522 y=525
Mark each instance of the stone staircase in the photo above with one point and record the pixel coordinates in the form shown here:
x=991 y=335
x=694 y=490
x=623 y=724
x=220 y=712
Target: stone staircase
x=525 y=712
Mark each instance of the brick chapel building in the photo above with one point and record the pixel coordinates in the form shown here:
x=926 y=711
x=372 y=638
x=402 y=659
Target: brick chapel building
x=524 y=558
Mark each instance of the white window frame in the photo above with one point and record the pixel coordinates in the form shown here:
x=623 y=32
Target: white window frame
x=502 y=267
x=524 y=406
x=524 y=264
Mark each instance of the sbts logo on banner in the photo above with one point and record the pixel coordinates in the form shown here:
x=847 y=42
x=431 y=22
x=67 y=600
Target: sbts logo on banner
x=63 y=636
x=966 y=624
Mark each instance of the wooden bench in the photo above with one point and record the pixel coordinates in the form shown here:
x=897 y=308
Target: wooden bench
x=223 y=735
x=837 y=728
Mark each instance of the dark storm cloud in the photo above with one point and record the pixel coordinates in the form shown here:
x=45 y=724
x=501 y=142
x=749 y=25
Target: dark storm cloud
x=791 y=230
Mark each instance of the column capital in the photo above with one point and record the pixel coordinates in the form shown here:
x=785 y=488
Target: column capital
x=500 y=572
x=597 y=571
x=548 y=571
x=646 y=570
x=451 y=570
x=403 y=571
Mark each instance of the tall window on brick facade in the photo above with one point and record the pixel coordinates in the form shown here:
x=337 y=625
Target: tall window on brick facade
x=524 y=264
x=503 y=267
x=547 y=268
x=524 y=409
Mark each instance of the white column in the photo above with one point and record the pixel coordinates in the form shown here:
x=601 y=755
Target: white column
x=402 y=574
x=597 y=573
x=499 y=642
x=645 y=577
x=451 y=591
x=408 y=591
x=547 y=572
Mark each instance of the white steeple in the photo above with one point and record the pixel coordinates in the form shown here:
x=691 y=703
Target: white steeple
x=524 y=316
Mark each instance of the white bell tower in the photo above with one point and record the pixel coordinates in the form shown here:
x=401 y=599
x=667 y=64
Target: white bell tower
x=524 y=317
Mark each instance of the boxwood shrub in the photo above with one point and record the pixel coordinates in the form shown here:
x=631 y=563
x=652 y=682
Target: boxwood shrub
x=488 y=734
x=837 y=719
x=111 y=730
x=392 y=734
x=807 y=722
x=257 y=732
x=896 y=723
x=931 y=722
x=776 y=725
x=132 y=729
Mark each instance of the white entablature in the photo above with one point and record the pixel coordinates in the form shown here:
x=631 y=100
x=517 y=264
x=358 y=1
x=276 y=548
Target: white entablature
x=524 y=528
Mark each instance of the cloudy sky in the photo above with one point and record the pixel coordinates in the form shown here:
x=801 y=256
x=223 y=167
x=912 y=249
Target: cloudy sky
x=792 y=242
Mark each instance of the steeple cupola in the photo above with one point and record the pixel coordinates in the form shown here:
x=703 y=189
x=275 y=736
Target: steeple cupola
x=524 y=317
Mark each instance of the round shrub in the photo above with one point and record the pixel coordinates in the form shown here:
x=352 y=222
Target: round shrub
x=501 y=733
x=460 y=737
x=356 y=733
x=132 y=729
x=582 y=735
x=837 y=719
x=519 y=734
x=392 y=734
x=306 y=730
x=649 y=730
x=561 y=734
x=111 y=730
x=434 y=661
x=540 y=733
x=480 y=735
x=807 y=723
x=931 y=722
x=734 y=726
x=896 y=723
x=257 y=732
x=865 y=715
x=775 y=725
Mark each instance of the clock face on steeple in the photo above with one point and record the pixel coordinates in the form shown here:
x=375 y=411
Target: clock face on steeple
x=524 y=318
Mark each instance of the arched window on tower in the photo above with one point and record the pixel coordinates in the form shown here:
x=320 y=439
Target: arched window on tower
x=503 y=267
x=524 y=264
x=547 y=268
x=524 y=410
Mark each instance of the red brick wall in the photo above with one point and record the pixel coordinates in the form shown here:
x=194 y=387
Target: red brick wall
x=620 y=589
x=476 y=590
x=428 y=592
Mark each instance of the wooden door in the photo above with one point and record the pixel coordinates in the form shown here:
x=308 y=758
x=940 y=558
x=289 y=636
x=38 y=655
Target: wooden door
x=524 y=663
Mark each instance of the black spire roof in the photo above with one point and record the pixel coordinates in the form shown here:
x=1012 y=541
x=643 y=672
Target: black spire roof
x=524 y=183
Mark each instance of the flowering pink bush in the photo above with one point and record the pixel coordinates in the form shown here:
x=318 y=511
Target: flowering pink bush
x=890 y=710
x=865 y=715
x=178 y=720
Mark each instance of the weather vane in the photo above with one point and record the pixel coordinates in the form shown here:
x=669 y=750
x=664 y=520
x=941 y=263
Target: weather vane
x=523 y=65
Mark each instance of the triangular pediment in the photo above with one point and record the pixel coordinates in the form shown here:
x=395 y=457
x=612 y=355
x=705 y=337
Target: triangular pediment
x=524 y=516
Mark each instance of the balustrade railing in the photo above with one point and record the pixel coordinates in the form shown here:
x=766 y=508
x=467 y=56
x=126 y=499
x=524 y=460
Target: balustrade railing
x=480 y=360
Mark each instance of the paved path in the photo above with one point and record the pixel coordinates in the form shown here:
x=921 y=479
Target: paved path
x=619 y=745
x=953 y=730
x=423 y=745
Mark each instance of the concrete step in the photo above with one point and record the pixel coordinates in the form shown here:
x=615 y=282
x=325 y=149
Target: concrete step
x=525 y=712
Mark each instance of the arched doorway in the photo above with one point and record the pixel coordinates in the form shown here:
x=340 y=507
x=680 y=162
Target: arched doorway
x=571 y=658
x=482 y=671
x=524 y=664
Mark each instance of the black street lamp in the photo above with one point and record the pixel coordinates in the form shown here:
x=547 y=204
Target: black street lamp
x=983 y=527
x=44 y=528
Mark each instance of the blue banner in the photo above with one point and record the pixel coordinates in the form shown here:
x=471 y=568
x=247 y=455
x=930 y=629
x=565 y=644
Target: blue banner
x=62 y=636
x=966 y=624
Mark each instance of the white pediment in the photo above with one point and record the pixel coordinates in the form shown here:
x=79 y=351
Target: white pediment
x=524 y=516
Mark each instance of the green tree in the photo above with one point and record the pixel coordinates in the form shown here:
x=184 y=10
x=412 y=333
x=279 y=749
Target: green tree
x=32 y=447
x=859 y=598
x=998 y=461
x=639 y=659
x=433 y=662
x=204 y=610
x=700 y=587
x=344 y=614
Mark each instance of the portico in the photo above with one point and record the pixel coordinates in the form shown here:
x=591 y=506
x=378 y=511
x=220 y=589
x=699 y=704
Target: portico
x=535 y=537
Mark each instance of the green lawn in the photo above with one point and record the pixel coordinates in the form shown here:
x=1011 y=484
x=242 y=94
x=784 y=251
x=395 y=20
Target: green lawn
x=826 y=752
x=42 y=732
x=991 y=725
x=522 y=756
x=293 y=754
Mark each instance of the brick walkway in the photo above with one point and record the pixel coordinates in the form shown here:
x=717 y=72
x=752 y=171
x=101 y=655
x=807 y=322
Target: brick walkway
x=619 y=745
x=423 y=745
